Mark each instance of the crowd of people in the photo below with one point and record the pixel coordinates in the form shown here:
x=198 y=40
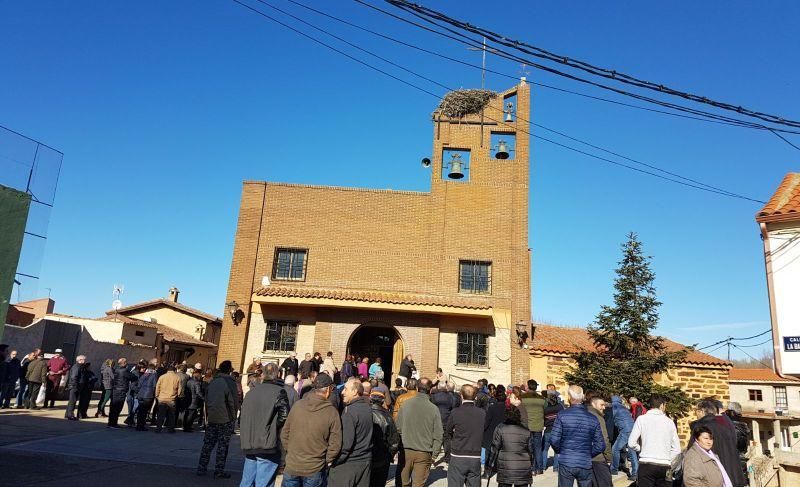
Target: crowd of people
x=320 y=424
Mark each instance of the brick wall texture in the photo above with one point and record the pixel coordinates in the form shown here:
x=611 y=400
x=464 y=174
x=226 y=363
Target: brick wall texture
x=397 y=241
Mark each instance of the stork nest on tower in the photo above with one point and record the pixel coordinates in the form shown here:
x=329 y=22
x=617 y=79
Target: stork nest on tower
x=460 y=103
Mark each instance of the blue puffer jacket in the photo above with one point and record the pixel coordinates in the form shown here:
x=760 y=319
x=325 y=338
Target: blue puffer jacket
x=623 y=420
x=147 y=386
x=577 y=437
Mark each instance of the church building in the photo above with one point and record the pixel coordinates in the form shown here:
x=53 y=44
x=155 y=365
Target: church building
x=442 y=275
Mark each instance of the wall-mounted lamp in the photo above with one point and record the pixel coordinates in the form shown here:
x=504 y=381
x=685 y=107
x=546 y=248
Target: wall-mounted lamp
x=236 y=314
x=522 y=333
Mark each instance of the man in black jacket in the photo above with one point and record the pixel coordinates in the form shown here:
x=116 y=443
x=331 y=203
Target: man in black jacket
x=352 y=466
x=290 y=365
x=465 y=430
x=264 y=410
x=445 y=402
x=385 y=440
x=119 y=391
x=724 y=433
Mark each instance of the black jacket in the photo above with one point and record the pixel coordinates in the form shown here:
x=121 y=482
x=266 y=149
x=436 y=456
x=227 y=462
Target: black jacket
x=465 y=430
x=385 y=438
x=356 y=432
x=305 y=368
x=483 y=400
x=121 y=382
x=13 y=370
x=510 y=454
x=495 y=415
x=551 y=409
x=444 y=401
x=194 y=388
x=724 y=433
x=264 y=410
x=290 y=366
x=407 y=367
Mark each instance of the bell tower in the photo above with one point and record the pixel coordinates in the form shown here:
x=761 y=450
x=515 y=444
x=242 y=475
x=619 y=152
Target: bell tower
x=480 y=187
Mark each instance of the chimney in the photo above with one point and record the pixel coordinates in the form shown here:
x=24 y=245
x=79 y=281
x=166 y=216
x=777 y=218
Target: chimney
x=173 y=294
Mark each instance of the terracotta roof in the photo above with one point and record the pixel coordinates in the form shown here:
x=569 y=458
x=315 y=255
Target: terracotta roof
x=561 y=339
x=173 y=335
x=389 y=297
x=758 y=375
x=785 y=203
x=166 y=302
x=129 y=321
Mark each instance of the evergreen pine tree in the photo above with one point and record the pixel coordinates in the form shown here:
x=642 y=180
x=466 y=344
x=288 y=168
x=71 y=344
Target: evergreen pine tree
x=627 y=354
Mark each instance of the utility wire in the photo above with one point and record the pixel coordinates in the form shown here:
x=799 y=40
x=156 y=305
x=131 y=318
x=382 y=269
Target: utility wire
x=587 y=67
x=757 y=360
x=516 y=78
x=459 y=37
x=364 y=63
x=756 y=344
x=729 y=339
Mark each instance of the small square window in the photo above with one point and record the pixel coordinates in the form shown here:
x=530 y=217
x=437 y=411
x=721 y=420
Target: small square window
x=755 y=394
x=475 y=277
x=139 y=333
x=289 y=264
x=472 y=349
x=281 y=336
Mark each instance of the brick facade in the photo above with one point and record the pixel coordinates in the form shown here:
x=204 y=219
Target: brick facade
x=398 y=242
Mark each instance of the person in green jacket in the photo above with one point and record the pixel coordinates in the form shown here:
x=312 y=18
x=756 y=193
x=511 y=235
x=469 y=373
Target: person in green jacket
x=601 y=473
x=534 y=404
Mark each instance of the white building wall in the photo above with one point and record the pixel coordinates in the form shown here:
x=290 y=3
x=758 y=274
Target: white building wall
x=740 y=393
x=784 y=244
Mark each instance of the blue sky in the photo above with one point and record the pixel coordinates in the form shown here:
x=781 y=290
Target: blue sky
x=163 y=108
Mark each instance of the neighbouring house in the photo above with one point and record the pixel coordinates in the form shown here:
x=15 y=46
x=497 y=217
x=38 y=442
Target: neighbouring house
x=772 y=405
x=187 y=333
x=161 y=328
x=779 y=221
x=700 y=375
x=442 y=275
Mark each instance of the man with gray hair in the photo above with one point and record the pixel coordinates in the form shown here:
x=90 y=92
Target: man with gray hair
x=352 y=466
x=72 y=387
x=576 y=437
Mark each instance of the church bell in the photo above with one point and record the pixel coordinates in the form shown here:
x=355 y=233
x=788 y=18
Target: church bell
x=502 y=150
x=456 y=167
x=509 y=109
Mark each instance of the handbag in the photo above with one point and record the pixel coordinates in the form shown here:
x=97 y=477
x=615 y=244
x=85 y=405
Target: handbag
x=675 y=471
x=40 y=397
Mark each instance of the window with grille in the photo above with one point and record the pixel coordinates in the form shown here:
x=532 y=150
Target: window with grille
x=755 y=394
x=472 y=349
x=281 y=336
x=781 y=402
x=475 y=277
x=290 y=264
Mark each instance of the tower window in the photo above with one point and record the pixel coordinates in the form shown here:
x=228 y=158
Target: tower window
x=289 y=264
x=475 y=277
x=503 y=145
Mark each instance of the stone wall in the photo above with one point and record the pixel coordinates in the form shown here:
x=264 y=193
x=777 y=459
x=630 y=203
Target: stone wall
x=698 y=381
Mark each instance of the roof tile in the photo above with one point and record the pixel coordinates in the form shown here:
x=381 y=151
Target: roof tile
x=785 y=202
x=566 y=340
x=468 y=302
x=759 y=375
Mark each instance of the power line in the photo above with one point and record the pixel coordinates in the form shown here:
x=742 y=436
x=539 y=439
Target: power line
x=756 y=344
x=458 y=37
x=587 y=67
x=731 y=339
x=700 y=186
x=757 y=360
x=506 y=75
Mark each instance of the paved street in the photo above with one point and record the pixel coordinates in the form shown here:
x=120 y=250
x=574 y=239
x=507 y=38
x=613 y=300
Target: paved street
x=42 y=448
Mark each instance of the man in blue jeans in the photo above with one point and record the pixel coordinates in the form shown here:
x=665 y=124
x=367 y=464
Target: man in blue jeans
x=576 y=438
x=623 y=421
x=264 y=411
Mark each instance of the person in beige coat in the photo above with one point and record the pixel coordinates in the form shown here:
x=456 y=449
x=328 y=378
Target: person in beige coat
x=701 y=467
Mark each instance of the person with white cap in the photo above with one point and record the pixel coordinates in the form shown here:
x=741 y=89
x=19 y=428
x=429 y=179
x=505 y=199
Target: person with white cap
x=290 y=365
x=57 y=367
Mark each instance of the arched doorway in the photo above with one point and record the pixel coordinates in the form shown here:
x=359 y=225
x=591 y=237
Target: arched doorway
x=378 y=340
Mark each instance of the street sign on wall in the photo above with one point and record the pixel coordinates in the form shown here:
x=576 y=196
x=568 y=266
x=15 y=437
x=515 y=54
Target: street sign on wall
x=791 y=344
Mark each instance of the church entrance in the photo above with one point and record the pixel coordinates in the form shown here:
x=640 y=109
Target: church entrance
x=378 y=340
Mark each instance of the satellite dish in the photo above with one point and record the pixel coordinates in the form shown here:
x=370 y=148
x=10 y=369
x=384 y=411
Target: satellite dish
x=117 y=304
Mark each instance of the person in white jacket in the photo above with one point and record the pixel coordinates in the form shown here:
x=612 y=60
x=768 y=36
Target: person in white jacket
x=655 y=437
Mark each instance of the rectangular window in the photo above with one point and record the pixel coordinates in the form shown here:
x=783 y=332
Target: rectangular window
x=755 y=394
x=475 y=277
x=139 y=333
x=781 y=402
x=472 y=349
x=281 y=336
x=289 y=264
